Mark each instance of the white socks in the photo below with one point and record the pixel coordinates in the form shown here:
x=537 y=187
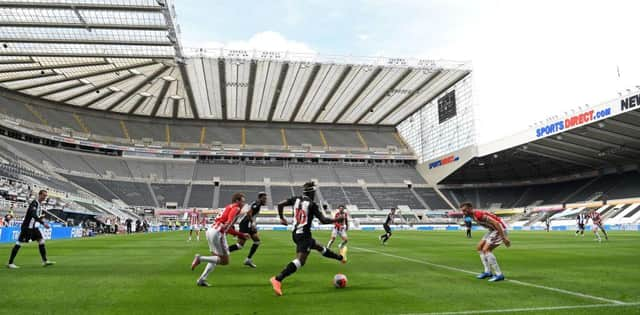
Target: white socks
x=493 y=262
x=598 y=235
x=330 y=243
x=484 y=261
x=212 y=261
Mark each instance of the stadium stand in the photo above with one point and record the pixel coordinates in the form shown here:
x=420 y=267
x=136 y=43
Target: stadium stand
x=169 y=193
x=189 y=134
x=554 y=193
x=300 y=136
x=489 y=198
x=598 y=188
x=388 y=197
x=353 y=174
x=207 y=171
x=201 y=196
x=343 y=138
x=334 y=196
x=185 y=134
x=132 y=193
x=275 y=174
x=357 y=196
x=147 y=168
x=431 y=198
x=628 y=186
x=279 y=193
x=226 y=191
x=380 y=139
x=263 y=136
x=400 y=174
x=303 y=173
x=103 y=165
x=180 y=169
x=93 y=186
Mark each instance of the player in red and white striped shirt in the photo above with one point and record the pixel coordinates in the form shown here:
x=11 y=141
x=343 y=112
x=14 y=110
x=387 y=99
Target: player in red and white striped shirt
x=340 y=228
x=217 y=237
x=496 y=235
x=194 y=223
x=596 y=218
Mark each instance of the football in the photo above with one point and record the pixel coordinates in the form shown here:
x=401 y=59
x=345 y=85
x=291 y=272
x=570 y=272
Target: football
x=340 y=281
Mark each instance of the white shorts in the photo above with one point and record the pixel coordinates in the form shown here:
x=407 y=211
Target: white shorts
x=596 y=227
x=493 y=238
x=195 y=227
x=217 y=242
x=339 y=232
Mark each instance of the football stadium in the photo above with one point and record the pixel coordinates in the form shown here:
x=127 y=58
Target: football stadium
x=140 y=176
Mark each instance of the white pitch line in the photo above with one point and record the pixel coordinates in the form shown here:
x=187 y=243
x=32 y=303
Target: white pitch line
x=531 y=309
x=582 y=295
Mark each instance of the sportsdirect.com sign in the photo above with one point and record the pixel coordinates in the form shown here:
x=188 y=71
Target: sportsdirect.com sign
x=445 y=161
x=573 y=121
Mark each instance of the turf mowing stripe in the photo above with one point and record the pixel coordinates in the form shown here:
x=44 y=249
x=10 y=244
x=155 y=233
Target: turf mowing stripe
x=582 y=295
x=531 y=309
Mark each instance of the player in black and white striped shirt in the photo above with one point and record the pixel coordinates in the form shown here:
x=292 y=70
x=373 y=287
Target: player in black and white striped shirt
x=29 y=231
x=305 y=210
x=581 y=220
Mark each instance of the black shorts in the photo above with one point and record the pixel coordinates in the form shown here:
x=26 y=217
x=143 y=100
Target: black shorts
x=245 y=228
x=304 y=243
x=27 y=235
x=386 y=228
x=581 y=226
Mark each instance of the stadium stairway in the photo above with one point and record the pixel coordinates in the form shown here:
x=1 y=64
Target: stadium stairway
x=422 y=202
x=187 y=196
x=320 y=196
x=153 y=195
x=216 y=197
x=267 y=190
x=371 y=199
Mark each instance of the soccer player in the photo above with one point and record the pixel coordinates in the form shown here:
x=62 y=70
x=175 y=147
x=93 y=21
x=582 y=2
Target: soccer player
x=493 y=238
x=340 y=227
x=581 y=219
x=387 y=229
x=547 y=223
x=29 y=232
x=248 y=226
x=467 y=224
x=596 y=218
x=217 y=238
x=305 y=209
x=194 y=218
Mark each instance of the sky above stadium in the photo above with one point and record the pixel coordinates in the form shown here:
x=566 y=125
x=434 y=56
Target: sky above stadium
x=531 y=59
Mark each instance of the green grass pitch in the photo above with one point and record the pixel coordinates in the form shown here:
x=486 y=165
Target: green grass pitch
x=150 y=274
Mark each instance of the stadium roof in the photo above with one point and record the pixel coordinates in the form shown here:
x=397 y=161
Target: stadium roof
x=125 y=56
x=609 y=143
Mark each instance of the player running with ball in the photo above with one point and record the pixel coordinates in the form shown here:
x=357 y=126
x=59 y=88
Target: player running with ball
x=491 y=240
x=340 y=228
x=305 y=209
x=217 y=237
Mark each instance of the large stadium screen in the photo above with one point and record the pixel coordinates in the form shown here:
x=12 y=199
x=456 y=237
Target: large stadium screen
x=447 y=107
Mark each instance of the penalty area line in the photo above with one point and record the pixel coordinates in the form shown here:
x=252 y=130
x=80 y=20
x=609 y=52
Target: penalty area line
x=522 y=283
x=531 y=309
